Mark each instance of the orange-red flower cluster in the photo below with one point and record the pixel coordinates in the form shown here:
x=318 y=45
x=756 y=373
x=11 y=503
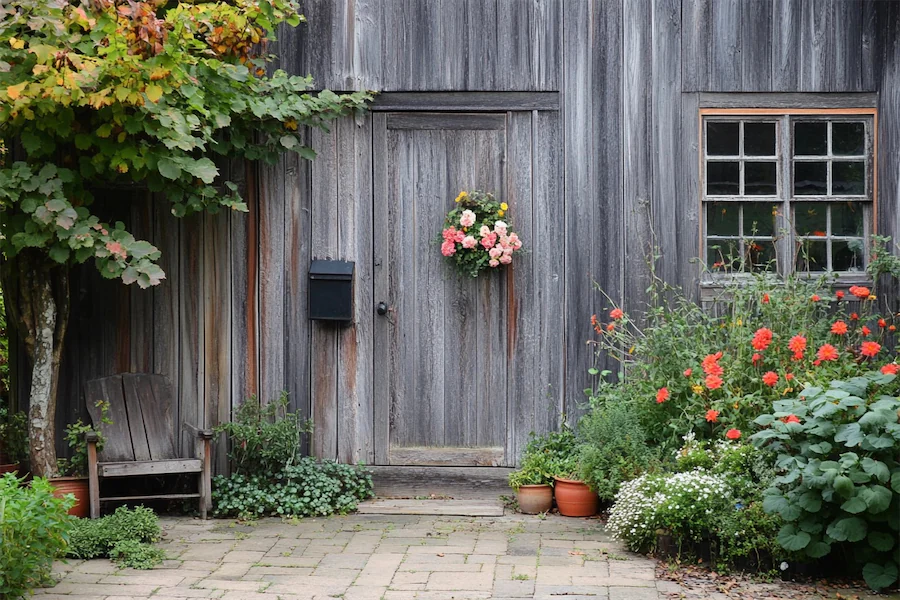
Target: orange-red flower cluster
x=595 y=323
x=662 y=395
x=890 y=369
x=827 y=352
x=839 y=328
x=839 y=294
x=792 y=418
x=882 y=323
x=761 y=339
x=870 y=349
x=815 y=298
x=797 y=345
x=712 y=416
x=616 y=314
x=733 y=434
x=865 y=331
x=860 y=292
x=770 y=378
x=756 y=358
x=765 y=299
x=687 y=372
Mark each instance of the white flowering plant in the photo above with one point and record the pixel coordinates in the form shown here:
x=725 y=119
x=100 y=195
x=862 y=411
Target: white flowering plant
x=685 y=505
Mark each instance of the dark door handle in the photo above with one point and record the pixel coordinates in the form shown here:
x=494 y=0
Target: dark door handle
x=382 y=308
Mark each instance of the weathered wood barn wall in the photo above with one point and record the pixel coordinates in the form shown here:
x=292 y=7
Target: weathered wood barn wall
x=596 y=149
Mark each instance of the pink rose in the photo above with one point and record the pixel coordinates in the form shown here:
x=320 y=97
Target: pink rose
x=469 y=242
x=500 y=227
x=448 y=248
x=459 y=237
x=494 y=262
x=507 y=251
x=449 y=234
x=505 y=259
x=484 y=231
x=514 y=241
x=504 y=241
x=489 y=240
x=467 y=219
x=495 y=252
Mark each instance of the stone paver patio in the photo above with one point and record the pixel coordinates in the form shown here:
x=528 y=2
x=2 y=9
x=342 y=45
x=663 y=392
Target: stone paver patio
x=370 y=557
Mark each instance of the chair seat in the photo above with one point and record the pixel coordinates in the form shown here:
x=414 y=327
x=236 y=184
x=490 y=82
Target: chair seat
x=150 y=467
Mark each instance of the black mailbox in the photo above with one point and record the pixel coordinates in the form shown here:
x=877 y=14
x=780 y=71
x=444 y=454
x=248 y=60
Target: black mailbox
x=331 y=290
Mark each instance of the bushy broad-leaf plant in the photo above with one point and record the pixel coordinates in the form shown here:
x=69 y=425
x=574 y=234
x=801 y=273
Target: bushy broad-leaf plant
x=126 y=536
x=34 y=530
x=838 y=488
x=142 y=92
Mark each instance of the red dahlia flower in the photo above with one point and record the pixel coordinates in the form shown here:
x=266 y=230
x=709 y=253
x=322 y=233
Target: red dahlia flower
x=854 y=317
x=865 y=330
x=733 y=434
x=770 y=378
x=765 y=299
x=616 y=313
x=890 y=369
x=756 y=358
x=791 y=419
x=827 y=352
x=713 y=382
x=815 y=298
x=687 y=372
x=839 y=294
x=761 y=339
x=712 y=416
x=662 y=395
x=870 y=349
x=860 y=292
x=839 y=328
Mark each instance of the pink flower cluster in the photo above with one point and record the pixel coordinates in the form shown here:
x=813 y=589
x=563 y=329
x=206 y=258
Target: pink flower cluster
x=498 y=242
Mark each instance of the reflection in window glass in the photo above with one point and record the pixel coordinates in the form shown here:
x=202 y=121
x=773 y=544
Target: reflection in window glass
x=812 y=256
x=847 y=255
x=723 y=178
x=848 y=178
x=811 y=218
x=847 y=219
x=811 y=138
x=759 y=219
x=810 y=178
x=722 y=138
x=848 y=139
x=759 y=178
x=723 y=218
x=759 y=139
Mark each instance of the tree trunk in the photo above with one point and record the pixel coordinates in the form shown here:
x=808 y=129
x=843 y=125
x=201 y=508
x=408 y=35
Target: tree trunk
x=37 y=292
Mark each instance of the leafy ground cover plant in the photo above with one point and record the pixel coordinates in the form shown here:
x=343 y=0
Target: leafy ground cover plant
x=545 y=457
x=307 y=488
x=34 y=530
x=838 y=487
x=126 y=536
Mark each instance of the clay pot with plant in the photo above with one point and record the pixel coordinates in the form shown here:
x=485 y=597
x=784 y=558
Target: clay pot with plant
x=13 y=440
x=534 y=494
x=73 y=477
x=574 y=498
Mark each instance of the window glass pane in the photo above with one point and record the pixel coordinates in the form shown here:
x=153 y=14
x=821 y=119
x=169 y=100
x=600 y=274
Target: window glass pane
x=848 y=178
x=722 y=255
x=847 y=219
x=847 y=255
x=848 y=138
x=811 y=138
x=722 y=138
x=722 y=218
x=810 y=178
x=760 y=255
x=759 y=139
x=811 y=218
x=759 y=178
x=722 y=178
x=759 y=219
x=812 y=256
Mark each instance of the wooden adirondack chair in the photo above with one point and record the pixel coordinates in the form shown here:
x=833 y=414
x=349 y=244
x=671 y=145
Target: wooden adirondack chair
x=141 y=439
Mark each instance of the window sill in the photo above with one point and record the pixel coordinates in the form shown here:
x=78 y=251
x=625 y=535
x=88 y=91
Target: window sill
x=712 y=286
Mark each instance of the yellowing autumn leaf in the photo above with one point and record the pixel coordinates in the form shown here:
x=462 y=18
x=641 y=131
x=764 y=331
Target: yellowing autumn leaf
x=16 y=43
x=154 y=93
x=14 y=91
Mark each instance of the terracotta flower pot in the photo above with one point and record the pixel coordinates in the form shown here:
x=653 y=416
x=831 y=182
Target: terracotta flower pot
x=534 y=499
x=575 y=498
x=77 y=486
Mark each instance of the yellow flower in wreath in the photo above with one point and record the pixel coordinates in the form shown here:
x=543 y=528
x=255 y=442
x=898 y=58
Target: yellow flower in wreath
x=499 y=213
x=504 y=206
x=462 y=195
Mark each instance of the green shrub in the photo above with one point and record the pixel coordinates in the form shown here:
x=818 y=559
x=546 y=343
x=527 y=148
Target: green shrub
x=34 y=530
x=136 y=555
x=613 y=449
x=838 y=484
x=13 y=431
x=747 y=538
x=97 y=538
x=307 y=488
x=545 y=457
x=264 y=439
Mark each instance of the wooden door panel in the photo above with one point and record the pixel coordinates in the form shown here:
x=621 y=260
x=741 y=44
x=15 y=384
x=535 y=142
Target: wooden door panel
x=442 y=363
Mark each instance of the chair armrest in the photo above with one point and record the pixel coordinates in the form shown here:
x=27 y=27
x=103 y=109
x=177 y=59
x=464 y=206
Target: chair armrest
x=203 y=434
x=92 y=437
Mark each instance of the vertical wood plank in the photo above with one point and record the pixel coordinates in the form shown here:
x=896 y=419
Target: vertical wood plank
x=141 y=325
x=517 y=34
x=887 y=18
x=786 y=55
x=355 y=343
x=725 y=63
x=816 y=46
x=243 y=233
x=483 y=49
x=869 y=47
x=848 y=68
x=687 y=190
x=271 y=280
x=384 y=330
x=191 y=369
x=166 y=314
x=578 y=112
x=695 y=44
x=756 y=45
x=547 y=44
x=323 y=347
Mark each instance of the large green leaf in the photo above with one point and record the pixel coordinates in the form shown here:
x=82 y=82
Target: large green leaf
x=168 y=168
x=877 y=498
x=204 y=169
x=854 y=505
x=880 y=540
x=792 y=539
x=850 y=434
x=876 y=468
x=848 y=529
x=811 y=501
x=895 y=481
x=843 y=485
x=880 y=576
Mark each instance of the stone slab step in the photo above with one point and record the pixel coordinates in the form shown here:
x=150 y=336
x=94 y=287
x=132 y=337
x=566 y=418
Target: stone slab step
x=460 y=508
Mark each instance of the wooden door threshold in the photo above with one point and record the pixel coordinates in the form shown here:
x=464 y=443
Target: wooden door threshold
x=459 y=508
x=417 y=482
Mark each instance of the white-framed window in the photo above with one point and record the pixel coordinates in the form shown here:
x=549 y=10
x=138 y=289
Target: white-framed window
x=791 y=192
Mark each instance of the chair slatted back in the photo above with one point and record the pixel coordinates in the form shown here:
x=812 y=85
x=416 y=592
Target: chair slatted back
x=141 y=410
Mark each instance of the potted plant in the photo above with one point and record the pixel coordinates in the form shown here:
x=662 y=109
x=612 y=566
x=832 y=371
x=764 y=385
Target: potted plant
x=73 y=470
x=532 y=482
x=573 y=496
x=13 y=440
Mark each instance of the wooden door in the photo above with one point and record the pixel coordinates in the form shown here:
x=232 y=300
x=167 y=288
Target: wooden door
x=441 y=350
